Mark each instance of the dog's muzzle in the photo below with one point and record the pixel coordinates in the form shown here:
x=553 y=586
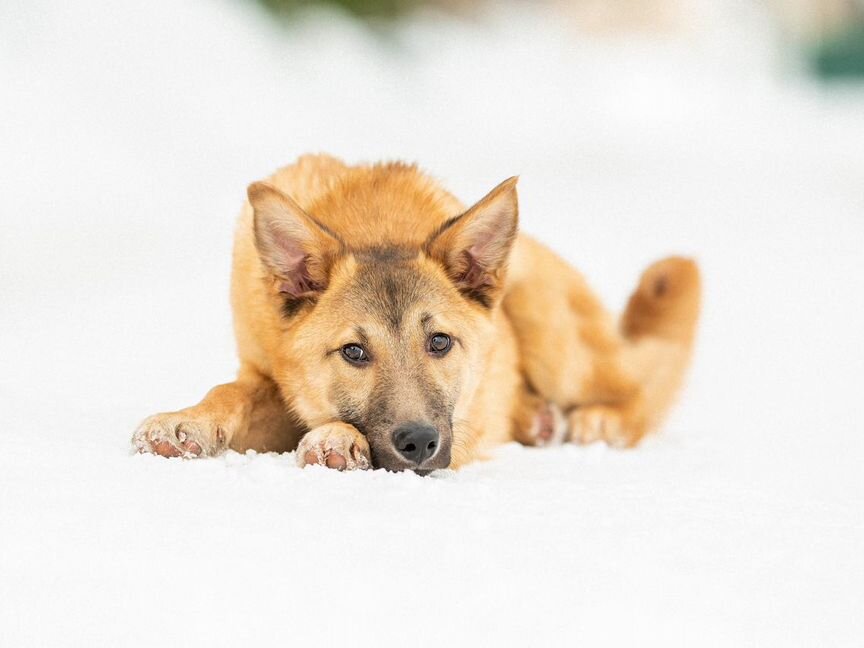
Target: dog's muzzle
x=415 y=446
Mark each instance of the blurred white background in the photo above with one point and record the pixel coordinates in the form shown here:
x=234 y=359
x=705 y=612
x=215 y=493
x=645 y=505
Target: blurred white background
x=128 y=133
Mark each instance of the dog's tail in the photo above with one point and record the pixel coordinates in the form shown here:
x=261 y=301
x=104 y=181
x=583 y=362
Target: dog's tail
x=659 y=327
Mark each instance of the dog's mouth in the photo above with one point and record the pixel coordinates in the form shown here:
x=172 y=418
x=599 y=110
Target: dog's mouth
x=393 y=464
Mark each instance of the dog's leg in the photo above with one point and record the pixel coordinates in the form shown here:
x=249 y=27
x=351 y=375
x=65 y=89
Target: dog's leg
x=634 y=382
x=538 y=422
x=248 y=413
x=613 y=380
x=335 y=445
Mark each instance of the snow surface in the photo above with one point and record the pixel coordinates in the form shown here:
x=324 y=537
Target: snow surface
x=128 y=132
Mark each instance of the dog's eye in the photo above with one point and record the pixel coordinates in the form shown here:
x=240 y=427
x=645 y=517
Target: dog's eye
x=355 y=354
x=439 y=344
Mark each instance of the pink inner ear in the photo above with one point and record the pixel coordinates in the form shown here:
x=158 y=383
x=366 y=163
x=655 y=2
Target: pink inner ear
x=299 y=284
x=482 y=240
x=475 y=276
x=294 y=268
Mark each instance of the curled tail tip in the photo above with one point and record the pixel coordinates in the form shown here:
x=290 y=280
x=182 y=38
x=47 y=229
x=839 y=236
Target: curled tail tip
x=666 y=301
x=669 y=279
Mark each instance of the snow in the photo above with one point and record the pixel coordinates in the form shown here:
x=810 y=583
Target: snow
x=128 y=135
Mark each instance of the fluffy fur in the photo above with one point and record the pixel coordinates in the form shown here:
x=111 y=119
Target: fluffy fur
x=383 y=259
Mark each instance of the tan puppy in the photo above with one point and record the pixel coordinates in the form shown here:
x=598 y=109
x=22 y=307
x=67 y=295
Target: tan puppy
x=380 y=324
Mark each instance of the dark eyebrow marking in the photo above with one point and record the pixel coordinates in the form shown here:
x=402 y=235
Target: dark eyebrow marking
x=425 y=320
x=361 y=334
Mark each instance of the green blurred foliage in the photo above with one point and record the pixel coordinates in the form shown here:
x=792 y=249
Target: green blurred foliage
x=362 y=8
x=842 y=56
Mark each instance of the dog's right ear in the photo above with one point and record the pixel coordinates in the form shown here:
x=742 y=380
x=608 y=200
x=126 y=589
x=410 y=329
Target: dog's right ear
x=293 y=246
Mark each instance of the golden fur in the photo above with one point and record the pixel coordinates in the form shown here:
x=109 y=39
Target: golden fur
x=382 y=258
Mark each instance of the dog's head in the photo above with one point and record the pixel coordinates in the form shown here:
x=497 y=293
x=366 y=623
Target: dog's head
x=390 y=338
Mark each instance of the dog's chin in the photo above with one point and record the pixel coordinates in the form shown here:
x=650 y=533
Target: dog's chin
x=392 y=462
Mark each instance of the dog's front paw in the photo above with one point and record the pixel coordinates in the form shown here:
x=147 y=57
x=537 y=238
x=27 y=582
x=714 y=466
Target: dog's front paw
x=335 y=445
x=179 y=435
x=602 y=423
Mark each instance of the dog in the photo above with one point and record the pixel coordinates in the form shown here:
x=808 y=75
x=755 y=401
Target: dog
x=380 y=324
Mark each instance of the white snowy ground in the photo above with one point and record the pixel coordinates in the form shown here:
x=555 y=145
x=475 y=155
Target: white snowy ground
x=128 y=132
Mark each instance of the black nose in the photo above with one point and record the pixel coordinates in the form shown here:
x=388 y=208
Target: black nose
x=416 y=441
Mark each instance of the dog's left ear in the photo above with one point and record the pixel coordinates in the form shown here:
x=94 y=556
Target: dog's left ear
x=474 y=247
